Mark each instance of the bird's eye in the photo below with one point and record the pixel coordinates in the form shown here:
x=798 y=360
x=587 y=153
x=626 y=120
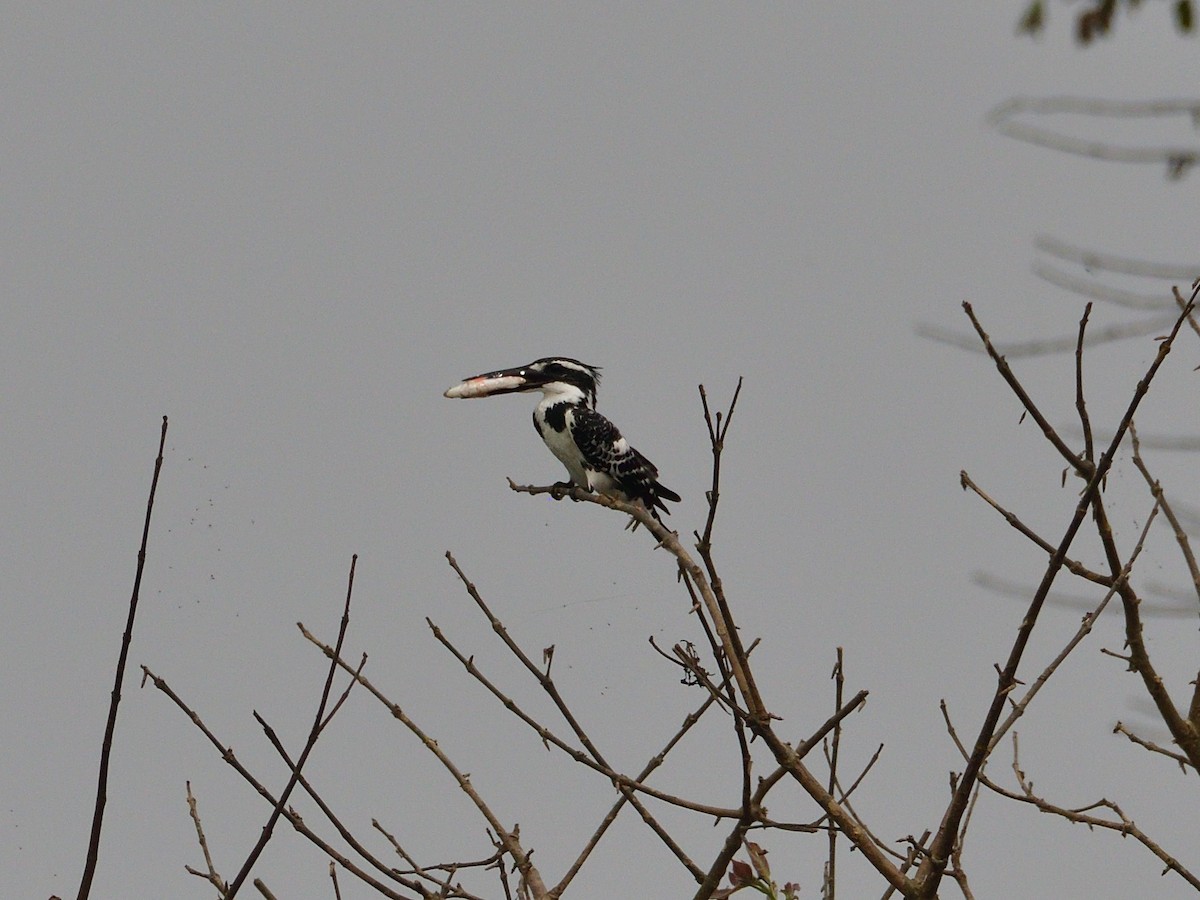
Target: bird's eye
x=522 y=372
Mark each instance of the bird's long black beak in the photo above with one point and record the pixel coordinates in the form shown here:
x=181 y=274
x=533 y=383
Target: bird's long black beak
x=489 y=384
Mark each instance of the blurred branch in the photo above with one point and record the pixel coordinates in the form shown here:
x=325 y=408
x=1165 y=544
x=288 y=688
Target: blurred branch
x=1011 y=118
x=1043 y=347
x=1086 y=287
x=1097 y=18
x=1093 y=260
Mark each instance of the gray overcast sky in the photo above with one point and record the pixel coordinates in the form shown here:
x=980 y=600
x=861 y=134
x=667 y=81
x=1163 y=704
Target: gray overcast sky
x=290 y=227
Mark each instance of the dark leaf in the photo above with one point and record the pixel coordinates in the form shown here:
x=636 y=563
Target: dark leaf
x=1033 y=20
x=1183 y=16
x=740 y=873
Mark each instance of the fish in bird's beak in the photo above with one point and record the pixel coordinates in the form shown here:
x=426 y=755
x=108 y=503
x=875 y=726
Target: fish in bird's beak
x=506 y=381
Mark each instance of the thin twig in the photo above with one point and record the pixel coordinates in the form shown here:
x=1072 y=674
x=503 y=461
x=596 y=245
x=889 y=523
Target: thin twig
x=829 y=888
x=1079 y=815
x=1085 y=422
x=548 y=685
x=295 y=820
x=93 y=852
x=1073 y=566
x=1073 y=459
x=1183 y=761
x=211 y=871
x=1160 y=496
x=548 y=738
x=508 y=837
x=314 y=733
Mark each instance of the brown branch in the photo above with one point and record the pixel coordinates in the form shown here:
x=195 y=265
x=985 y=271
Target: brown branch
x=757 y=718
x=638 y=783
x=547 y=684
x=93 y=852
x=829 y=888
x=293 y=818
x=1183 y=761
x=717 y=430
x=315 y=732
x=916 y=850
x=1073 y=459
x=1084 y=630
x=210 y=874
x=1073 y=566
x=1156 y=490
x=445 y=889
x=933 y=867
x=1079 y=815
x=548 y=738
x=731 y=846
x=1185 y=733
x=509 y=839
x=854 y=704
x=451 y=869
x=1085 y=422
x=1188 y=307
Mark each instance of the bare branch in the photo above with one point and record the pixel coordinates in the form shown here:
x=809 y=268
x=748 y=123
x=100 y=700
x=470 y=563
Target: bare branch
x=295 y=820
x=1072 y=566
x=210 y=872
x=1045 y=346
x=315 y=732
x=93 y=853
x=509 y=839
x=1183 y=761
x=1009 y=118
x=1160 y=497
x=1122 y=824
x=1124 y=265
x=547 y=683
x=933 y=867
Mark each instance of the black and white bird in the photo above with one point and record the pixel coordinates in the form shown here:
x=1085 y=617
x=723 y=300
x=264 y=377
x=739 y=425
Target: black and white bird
x=597 y=457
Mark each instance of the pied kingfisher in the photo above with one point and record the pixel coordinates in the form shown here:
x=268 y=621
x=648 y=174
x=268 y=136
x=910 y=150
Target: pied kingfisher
x=597 y=457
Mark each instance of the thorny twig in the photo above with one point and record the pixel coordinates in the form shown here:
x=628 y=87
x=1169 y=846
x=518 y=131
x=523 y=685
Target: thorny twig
x=933 y=867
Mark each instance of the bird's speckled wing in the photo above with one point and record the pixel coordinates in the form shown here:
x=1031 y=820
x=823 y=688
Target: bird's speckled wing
x=604 y=450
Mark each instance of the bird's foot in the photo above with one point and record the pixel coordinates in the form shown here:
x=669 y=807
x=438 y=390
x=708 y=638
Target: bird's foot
x=561 y=489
